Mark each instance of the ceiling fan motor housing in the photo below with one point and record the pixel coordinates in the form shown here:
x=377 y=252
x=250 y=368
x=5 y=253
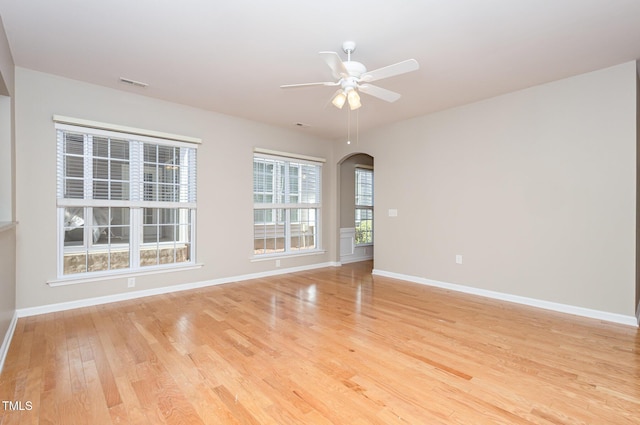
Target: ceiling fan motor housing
x=356 y=69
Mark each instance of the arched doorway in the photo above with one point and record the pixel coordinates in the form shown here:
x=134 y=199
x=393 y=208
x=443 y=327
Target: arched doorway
x=355 y=213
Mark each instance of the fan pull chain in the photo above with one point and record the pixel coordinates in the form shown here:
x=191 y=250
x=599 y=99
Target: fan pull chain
x=357 y=126
x=349 y=126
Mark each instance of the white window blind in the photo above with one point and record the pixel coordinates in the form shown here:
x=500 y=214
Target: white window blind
x=287 y=204
x=364 y=206
x=125 y=201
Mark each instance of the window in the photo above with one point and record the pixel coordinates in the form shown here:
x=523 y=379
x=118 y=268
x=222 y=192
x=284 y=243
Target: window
x=364 y=206
x=125 y=202
x=286 y=199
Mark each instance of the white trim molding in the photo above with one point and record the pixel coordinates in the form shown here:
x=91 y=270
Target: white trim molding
x=89 y=302
x=533 y=302
x=4 y=348
x=288 y=155
x=349 y=251
x=61 y=119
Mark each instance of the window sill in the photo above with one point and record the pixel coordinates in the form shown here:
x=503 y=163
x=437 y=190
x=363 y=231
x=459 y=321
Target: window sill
x=7 y=225
x=281 y=255
x=121 y=275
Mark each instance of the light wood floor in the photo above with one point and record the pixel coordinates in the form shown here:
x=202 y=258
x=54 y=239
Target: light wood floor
x=333 y=346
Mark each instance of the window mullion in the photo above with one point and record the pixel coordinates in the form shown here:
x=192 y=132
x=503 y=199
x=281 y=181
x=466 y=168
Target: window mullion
x=287 y=211
x=135 y=237
x=88 y=166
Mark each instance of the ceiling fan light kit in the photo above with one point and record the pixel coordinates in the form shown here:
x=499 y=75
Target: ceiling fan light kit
x=339 y=99
x=353 y=77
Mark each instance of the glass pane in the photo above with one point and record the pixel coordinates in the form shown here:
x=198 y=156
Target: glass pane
x=166 y=233
x=150 y=215
x=364 y=187
x=100 y=228
x=168 y=192
x=74 y=166
x=148 y=256
x=119 y=170
x=303 y=233
x=100 y=190
x=150 y=153
x=74 y=188
x=73 y=227
x=364 y=226
x=150 y=192
x=119 y=191
x=74 y=144
x=166 y=255
x=150 y=234
x=294 y=186
x=169 y=173
x=310 y=191
x=165 y=155
x=183 y=234
x=120 y=258
x=119 y=149
x=74 y=263
x=98 y=261
x=100 y=168
x=269 y=237
x=100 y=147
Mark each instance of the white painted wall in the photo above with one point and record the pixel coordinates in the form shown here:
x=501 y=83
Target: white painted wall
x=225 y=201
x=536 y=189
x=7 y=230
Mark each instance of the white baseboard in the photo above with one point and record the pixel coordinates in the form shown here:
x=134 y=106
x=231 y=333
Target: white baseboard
x=4 y=349
x=547 y=305
x=347 y=260
x=88 y=302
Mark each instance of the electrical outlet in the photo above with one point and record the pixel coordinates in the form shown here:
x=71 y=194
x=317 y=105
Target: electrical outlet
x=458 y=259
x=131 y=282
x=277 y=263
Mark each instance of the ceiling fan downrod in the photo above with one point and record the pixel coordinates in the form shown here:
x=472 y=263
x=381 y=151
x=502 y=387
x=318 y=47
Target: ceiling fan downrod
x=349 y=47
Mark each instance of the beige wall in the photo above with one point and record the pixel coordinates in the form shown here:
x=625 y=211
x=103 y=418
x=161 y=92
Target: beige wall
x=637 y=189
x=6 y=64
x=7 y=279
x=225 y=216
x=6 y=127
x=7 y=231
x=536 y=189
x=348 y=187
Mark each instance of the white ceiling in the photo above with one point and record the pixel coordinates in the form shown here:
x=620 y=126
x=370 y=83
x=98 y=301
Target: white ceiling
x=232 y=56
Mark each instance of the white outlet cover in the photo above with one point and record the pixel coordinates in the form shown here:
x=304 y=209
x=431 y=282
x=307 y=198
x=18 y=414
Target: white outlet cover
x=393 y=212
x=458 y=259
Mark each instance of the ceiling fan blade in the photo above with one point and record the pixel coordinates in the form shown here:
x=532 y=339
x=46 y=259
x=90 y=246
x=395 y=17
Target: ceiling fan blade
x=390 y=71
x=379 y=92
x=326 y=83
x=335 y=63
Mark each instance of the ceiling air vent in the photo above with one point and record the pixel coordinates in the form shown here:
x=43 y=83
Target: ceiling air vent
x=133 y=82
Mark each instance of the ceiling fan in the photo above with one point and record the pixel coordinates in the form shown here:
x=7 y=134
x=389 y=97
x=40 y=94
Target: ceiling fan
x=352 y=77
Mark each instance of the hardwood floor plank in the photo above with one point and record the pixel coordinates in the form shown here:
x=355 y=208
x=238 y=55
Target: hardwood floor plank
x=328 y=346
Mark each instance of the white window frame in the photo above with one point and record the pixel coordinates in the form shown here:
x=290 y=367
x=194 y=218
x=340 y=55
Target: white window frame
x=288 y=159
x=361 y=206
x=136 y=138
